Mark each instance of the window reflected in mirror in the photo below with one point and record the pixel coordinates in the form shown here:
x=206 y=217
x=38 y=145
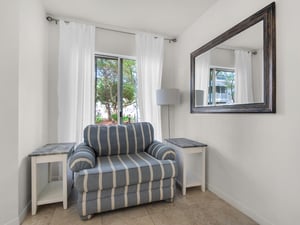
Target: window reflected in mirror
x=221 y=89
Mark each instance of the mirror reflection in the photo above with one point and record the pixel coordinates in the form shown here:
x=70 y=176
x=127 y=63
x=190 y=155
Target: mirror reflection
x=231 y=72
x=236 y=71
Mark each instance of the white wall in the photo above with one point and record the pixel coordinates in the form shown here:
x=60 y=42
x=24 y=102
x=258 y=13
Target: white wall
x=23 y=96
x=33 y=92
x=53 y=37
x=253 y=159
x=222 y=58
x=115 y=43
x=9 y=47
x=168 y=81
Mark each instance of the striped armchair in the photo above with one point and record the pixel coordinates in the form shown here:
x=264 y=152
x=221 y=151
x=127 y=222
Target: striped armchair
x=121 y=166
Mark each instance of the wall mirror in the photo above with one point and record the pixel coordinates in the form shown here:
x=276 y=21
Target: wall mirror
x=235 y=72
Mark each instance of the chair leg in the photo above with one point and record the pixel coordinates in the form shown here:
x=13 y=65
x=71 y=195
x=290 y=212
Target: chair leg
x=170 y=200
x=87 y=217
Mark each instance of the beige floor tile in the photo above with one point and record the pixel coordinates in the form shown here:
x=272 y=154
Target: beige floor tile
x=172 y=217
x=220 y=214
x=233 y=216
x=160 y=207
x=71 y=216
x=123 y=220
x=126 y=216
x=43 y=216
x=195 y=208
x=133 y=212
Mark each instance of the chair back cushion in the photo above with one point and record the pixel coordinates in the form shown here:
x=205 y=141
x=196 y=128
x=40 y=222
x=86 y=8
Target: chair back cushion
x=119 y=139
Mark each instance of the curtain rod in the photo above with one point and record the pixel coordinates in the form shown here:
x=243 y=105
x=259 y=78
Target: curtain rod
x=52 y=19
x=225 y=47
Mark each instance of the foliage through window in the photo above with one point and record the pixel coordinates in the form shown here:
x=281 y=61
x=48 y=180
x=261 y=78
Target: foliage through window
x=221 y=86
x=115 y=80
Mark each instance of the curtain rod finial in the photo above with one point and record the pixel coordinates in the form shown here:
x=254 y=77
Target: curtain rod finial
x=51 y=19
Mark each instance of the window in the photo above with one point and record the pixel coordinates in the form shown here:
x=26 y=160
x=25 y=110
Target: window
x=221 y=86
x=115 y=100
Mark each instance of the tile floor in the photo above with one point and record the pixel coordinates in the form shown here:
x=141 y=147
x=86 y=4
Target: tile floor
x=196 y=208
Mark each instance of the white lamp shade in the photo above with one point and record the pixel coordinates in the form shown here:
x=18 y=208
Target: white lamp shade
x=167 y=96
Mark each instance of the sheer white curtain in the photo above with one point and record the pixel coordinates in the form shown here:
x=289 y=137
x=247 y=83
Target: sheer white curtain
x=243 y=74
x=202 y=65
x=149 y=51
x=76 y=80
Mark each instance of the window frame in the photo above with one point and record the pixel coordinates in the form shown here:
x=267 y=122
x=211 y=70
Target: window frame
x=214 y=87
x=120 y=59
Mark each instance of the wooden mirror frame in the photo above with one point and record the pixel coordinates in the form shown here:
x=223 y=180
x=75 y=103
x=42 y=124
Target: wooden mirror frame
x=267 y=15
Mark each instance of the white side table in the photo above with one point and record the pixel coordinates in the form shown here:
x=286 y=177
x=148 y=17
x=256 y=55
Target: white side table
x=190 y=157
x=54 y=191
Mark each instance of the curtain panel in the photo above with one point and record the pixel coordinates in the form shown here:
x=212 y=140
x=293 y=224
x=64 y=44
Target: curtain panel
x=243 y=74
x=150 y=53
x=202 y=67
x=76 y=79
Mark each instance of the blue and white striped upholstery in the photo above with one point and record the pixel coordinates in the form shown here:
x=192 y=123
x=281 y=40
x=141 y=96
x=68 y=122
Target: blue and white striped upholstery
x=121 y=166
x=82 y=158
x=126 y=196
x=161 y=151
x=123 y=170
x=119 y=139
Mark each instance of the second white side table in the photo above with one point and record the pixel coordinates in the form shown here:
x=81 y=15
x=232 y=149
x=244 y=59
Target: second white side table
x=190 y=156
x=53 y=191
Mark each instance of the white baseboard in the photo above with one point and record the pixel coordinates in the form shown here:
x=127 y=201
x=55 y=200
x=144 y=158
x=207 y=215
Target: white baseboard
x=21 y=217
x=238 y=205
x=24 y=212
x=18 y=220
x=14 y=221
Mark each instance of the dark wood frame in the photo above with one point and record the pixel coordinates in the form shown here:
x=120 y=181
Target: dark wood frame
x=267 y=15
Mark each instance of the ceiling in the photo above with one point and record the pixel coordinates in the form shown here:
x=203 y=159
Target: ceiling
x=166 y=17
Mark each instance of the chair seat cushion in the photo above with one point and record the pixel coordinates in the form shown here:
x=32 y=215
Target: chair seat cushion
x=124 y=170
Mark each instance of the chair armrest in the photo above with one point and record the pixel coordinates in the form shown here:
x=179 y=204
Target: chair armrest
x=161 y=151
x=83 y=157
